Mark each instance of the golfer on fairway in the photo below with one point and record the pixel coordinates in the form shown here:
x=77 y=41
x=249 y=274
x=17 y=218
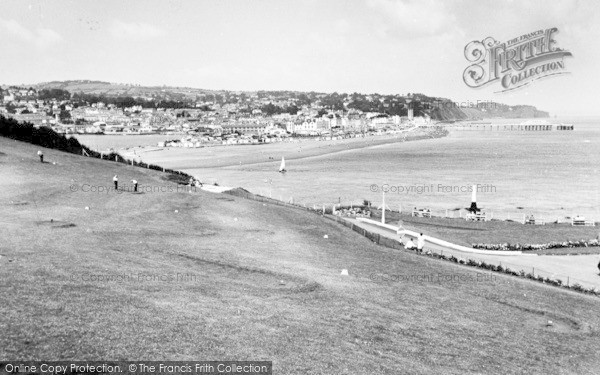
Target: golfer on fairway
x=401 y=232
x=420 y=243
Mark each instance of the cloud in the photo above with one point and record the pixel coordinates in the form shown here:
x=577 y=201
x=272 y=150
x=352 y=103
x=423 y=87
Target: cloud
x=42 y=38
x=414 y=18
x=135 y=31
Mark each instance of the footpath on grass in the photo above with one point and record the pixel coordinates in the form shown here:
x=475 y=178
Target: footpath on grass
x=576 y=272
x=578 y=269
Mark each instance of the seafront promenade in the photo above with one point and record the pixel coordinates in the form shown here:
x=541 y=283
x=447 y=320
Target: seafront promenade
x=570 y=269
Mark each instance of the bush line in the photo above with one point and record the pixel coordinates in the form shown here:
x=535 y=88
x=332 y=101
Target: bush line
x=48 y=138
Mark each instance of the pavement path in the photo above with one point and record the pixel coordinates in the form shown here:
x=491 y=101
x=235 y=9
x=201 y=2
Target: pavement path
x=581 y=269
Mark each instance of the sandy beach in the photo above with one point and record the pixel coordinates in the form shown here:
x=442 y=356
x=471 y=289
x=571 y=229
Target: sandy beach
x=235 y=155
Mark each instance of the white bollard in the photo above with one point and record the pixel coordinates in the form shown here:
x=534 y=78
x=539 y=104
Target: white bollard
x=383 y=207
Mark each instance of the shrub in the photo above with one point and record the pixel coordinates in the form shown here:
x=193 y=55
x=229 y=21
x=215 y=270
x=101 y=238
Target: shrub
x=577 y=287
x=529 y=247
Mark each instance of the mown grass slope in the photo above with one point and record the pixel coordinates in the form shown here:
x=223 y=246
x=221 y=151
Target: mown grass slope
x=195 y=276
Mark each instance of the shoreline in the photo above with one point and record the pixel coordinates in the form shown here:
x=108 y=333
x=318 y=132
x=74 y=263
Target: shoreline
x=222 y=156
x=252 y=166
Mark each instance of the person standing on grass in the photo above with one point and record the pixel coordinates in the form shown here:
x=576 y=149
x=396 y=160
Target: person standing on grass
x=116 y=182
x=420 y=243
x=401 y=232
x=41 y=155
x=135 y=185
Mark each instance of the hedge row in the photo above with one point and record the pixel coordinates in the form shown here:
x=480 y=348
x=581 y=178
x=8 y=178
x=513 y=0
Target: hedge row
x=48 y=138
x=525 y=247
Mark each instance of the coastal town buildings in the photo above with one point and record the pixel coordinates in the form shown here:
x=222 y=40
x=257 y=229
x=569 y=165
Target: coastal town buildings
x=228 y=117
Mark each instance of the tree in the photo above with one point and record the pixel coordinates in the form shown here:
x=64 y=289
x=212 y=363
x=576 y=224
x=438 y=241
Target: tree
x=10 y=108
x=321 y=112
x=64 y=115
x=57 y=94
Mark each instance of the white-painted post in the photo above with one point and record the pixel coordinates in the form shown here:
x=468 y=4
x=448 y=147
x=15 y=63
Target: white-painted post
x=323 y=209
x=383 y=207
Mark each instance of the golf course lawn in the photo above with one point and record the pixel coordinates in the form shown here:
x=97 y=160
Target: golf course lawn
x=171 y=275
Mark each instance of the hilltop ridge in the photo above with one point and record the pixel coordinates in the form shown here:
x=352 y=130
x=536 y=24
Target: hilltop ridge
x=439 y=109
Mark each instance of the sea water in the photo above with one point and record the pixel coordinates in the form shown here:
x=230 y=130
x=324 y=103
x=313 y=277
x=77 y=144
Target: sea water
x=550 y=174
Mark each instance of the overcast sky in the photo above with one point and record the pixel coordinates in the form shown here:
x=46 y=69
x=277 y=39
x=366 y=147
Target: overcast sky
x=384 y=46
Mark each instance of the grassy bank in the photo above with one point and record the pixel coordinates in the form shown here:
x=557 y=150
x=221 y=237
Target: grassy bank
x=179 y=275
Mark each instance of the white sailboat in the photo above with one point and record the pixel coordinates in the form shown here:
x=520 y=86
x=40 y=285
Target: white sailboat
x=282 y=166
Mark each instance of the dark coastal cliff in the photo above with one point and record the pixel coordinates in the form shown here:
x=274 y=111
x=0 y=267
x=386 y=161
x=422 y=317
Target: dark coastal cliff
x=451 y=112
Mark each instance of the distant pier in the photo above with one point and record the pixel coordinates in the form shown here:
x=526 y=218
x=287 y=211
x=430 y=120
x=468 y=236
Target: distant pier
x=486 y=126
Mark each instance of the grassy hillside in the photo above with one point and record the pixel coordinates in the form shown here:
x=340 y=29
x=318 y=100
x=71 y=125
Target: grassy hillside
x=179 y=275
x=116 y=89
